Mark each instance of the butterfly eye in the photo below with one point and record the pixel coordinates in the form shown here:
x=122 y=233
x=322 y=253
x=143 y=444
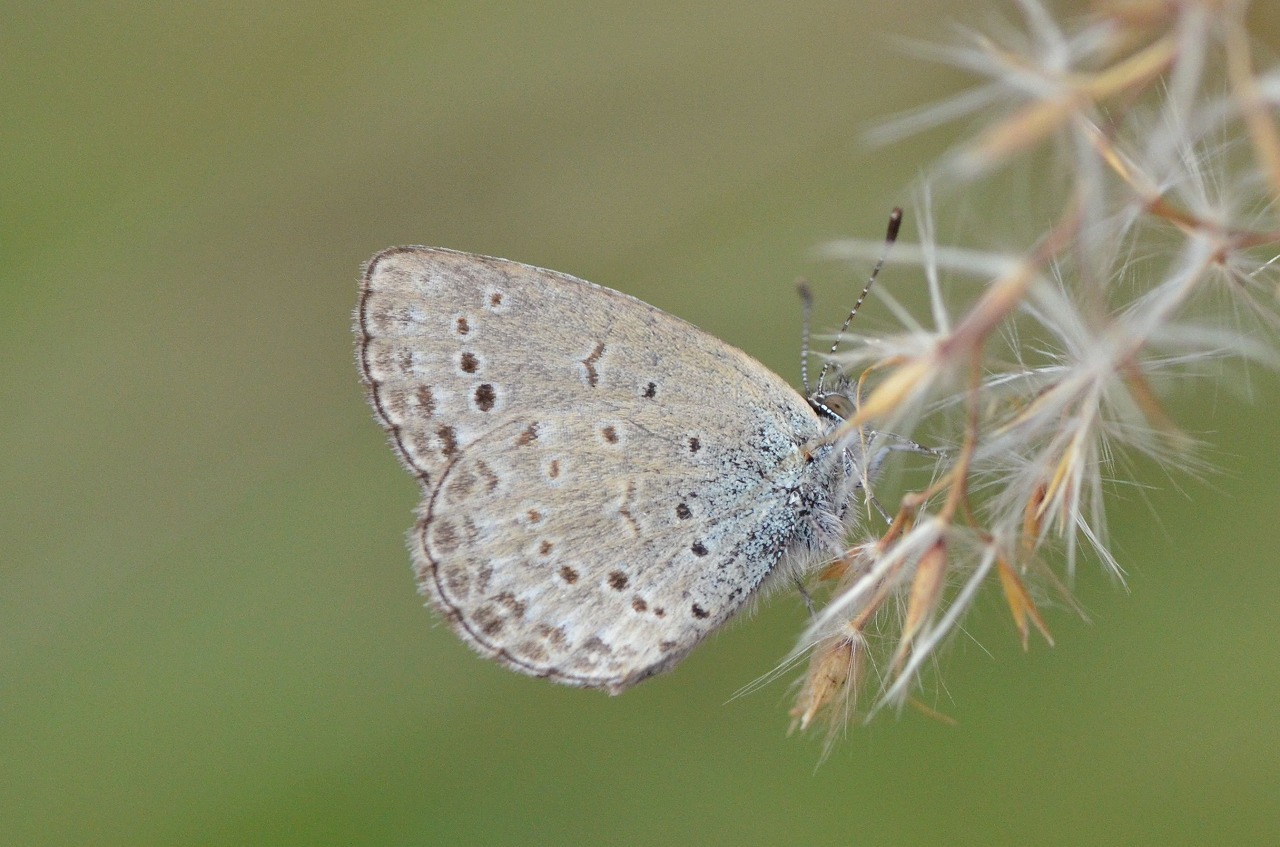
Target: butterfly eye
x=837 y=404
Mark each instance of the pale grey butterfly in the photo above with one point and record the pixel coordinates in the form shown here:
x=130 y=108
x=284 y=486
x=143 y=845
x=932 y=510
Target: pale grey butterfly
x=603 y=483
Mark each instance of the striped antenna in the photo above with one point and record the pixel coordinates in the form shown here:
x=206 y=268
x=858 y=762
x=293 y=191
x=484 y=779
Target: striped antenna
x=895 y=223
x=806 y=298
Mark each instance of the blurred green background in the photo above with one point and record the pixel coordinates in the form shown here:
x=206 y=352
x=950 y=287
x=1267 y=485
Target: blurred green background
x=209 y=633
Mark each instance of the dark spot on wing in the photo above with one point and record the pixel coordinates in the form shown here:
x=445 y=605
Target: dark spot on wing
x=490 y=478
x=617 y=580
x=489 y=620
x=444 y=536
x=683 y=512
x=426 y=401
x=532 y=650
x=448 y=439
x=485 y=396
x=595 y=644
x=512 y=605
x=554 y=634
x=593 y=376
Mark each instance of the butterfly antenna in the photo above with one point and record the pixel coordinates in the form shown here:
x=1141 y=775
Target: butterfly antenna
x=806 y=299
x=895 y=223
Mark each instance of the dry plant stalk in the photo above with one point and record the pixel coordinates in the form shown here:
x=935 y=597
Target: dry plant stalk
x=1159 y=146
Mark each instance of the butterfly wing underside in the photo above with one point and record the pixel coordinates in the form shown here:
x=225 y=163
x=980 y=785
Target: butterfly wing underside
x=604 y=484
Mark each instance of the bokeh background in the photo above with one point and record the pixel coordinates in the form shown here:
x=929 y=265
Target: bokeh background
x=209 y=633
